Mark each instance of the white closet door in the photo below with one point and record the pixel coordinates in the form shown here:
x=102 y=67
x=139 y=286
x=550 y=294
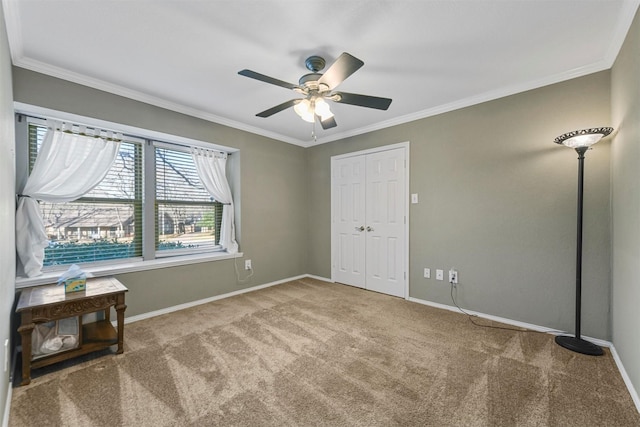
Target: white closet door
x=369 y=231
x=385 y=216
x=349 y=221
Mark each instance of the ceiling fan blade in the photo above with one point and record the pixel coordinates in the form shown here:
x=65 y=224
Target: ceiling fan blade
x=363 y=100
x=267 y=79
x=271 y=111
x=328 y=123
x=342 y=68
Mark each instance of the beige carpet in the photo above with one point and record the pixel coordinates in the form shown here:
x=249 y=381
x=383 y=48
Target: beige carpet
x=310 y=353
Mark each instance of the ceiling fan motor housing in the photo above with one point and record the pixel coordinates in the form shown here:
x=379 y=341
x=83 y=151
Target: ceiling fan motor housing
x=315 y=63
x=310 y=81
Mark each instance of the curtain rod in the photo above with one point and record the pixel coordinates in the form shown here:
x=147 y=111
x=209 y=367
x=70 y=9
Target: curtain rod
x=186 y=148
x=126 y=136
x=66 y=127
x=47 y=121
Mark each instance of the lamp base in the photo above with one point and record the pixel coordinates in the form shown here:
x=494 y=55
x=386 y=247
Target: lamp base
x=579 y=345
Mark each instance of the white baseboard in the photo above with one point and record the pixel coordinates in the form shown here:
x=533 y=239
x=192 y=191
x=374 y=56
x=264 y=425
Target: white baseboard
x=600 y=342
x=324 y=279
x=603 y=343
x=511 y=322
x=206 y=300
x=7 y=405
x=519 y=324
x=531 y=326
x=625 y=377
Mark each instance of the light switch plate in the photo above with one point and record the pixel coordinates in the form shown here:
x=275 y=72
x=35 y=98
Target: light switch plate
x=414 y=198
x=427 y=273
x=439 y=275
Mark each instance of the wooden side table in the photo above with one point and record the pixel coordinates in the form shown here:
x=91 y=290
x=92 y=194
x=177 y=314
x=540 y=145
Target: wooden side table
x=46 y=303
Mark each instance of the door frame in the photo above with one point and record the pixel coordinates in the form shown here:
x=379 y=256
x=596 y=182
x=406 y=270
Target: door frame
x=406 y=147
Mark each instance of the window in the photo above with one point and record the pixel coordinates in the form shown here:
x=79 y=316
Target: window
x=187 y=217
x=107 y=224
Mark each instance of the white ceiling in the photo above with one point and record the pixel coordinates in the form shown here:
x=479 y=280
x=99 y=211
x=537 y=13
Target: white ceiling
x=428 y=56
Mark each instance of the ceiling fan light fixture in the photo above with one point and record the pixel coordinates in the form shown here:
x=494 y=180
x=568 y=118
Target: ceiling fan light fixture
x=322 y=109
x=305 y=110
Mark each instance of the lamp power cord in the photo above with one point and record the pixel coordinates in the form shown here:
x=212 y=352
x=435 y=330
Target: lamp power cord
x=471 y=316
x=235 y=266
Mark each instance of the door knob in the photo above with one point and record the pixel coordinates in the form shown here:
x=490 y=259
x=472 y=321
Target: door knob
x=361 y=228
x=369 y=228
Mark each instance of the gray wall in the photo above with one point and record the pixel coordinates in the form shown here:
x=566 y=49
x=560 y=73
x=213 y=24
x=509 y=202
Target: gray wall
x=271 y=194
x=625 y=97
x=7 y=205
x=498 y=202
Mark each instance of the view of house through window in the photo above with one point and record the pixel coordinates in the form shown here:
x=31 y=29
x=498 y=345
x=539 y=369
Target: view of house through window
x=107 y=223
x=187 y=216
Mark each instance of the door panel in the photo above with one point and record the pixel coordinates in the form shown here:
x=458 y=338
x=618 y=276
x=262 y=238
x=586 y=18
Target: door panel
x=369 y=222
x=348 y=181
x=385 y=210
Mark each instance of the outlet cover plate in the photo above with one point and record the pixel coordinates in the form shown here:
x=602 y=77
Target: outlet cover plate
x=453 y=276
x=6 y=355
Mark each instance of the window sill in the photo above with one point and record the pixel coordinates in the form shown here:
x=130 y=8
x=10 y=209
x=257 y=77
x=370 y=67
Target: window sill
x=49 y=277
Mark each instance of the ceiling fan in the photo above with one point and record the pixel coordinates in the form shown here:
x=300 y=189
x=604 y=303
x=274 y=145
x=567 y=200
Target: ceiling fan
x=318 y=87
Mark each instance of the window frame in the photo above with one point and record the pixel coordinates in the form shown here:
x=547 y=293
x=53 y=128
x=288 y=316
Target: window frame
x=149 y=259
x=159 y=145
x=137 y=201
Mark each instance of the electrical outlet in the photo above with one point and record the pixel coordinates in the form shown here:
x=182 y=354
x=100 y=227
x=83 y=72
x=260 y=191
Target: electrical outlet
x=453 y=276
x=6 y=355
x=439 y=275
x=247 y=264
x=427 y=273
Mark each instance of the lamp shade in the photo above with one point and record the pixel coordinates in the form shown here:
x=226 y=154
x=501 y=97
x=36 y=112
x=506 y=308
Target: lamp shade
x=322 y=109
x=305 y=110
x=583 y=137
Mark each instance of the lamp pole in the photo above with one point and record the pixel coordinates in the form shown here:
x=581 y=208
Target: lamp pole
x=580 y=151
x=580 y=141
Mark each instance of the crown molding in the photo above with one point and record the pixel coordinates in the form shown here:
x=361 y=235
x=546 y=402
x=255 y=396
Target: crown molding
x=474 y=100
x=64 y=74
x=98 y=84
x=14 y=29
x=626 y=16
x=625 y=19
x=12 y=19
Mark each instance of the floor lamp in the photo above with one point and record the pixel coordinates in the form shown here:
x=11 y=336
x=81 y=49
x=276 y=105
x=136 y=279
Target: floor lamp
x=580 y=140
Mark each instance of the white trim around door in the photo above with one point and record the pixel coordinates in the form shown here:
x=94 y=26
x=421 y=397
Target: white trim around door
x=335 y=250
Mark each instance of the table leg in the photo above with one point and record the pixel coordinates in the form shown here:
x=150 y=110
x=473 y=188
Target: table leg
x=120 y=308
x=25 y=333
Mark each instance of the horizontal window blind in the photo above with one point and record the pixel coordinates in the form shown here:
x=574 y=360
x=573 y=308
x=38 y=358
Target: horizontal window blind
x=188 y=219
x=106 y=223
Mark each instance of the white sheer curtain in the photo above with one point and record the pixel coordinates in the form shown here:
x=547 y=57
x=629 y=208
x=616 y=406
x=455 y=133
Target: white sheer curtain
x=68 y=166
x=211 y=167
